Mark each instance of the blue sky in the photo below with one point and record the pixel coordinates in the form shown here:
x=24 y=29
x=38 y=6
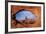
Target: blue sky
x=22 y=14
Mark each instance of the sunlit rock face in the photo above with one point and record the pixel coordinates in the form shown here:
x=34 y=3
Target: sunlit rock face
x=25 y=16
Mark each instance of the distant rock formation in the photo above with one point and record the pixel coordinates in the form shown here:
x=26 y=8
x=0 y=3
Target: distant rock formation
x=26 y=21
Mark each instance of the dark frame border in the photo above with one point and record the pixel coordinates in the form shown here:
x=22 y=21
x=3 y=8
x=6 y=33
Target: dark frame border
x=6 y=16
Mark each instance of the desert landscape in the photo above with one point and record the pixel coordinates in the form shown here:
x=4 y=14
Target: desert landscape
x=27 y=23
